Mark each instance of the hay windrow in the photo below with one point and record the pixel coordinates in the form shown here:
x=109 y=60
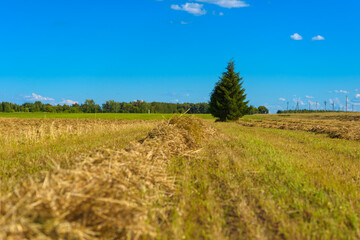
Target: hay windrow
x=344 y=128
x=109 y=195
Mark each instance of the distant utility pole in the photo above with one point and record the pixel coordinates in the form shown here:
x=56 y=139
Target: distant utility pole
x=316 y=106
x=297 y=106
x=309 y=106
x=346 y=102
x=333 y=106
x=325 y=105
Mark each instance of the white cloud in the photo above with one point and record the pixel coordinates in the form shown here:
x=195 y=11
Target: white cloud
x=176 y=7
x=341 y=91
x=309 y=97
x=356 y=90
x=184 y=23
x=192 y=8
x=318 y=38
x=36 y=97
x=227 y=3
x=295 y=100
x=68 y=102
x=217 y=14
x=296 y=36
x=336 y=101
x=357 y=95
x=282 y=99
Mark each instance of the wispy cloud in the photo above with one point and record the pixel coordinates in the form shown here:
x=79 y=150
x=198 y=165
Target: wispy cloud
x=227 y=3
x=298 y=100
x=36 y=97
x=192 y=8
x=310 y=97
x=184 y=23
x=355 y=102
x=341 y=91
x=68 y=102
x=296 y=36
x=282 y=99
x=312 y=103
x=336 y=101
x=318 y=38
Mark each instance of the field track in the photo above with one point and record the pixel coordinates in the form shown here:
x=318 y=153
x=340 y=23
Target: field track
x=183 y=178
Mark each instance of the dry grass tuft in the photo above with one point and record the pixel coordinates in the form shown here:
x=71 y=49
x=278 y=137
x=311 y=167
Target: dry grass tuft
x=110 y=195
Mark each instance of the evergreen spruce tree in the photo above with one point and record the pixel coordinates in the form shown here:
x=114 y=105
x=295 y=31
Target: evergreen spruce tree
x=227 y=100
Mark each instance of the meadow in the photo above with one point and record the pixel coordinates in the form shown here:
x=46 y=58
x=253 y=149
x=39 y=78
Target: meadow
x=180 y=177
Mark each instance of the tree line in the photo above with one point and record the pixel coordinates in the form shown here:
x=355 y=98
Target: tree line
x=111 y=106
x=89 y=106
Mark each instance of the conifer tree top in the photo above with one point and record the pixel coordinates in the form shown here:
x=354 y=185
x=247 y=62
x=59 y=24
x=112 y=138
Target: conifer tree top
x=228 y=99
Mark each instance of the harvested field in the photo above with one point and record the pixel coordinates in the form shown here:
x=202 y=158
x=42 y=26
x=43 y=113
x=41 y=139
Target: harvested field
x=108 y=194
x=182 y=178
x=29 y=146
x=40 y=129
x=346 y=126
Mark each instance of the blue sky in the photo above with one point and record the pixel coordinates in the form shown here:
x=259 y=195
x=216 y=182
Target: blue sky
x=174 y=50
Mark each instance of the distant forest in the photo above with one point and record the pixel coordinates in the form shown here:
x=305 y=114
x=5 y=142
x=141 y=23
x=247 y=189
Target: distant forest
x=109 y=107
x=89 y=106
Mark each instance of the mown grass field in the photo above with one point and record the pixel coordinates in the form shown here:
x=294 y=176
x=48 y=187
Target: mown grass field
x=262 y=177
